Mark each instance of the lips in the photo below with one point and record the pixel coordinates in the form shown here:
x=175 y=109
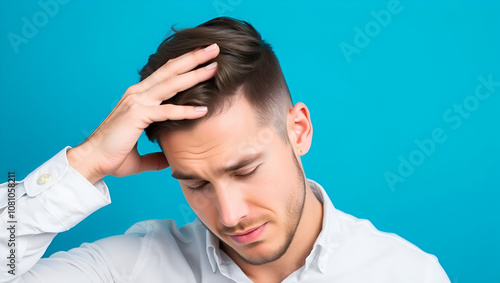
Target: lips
x=249 y=236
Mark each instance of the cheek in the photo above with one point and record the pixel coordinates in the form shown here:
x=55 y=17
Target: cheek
x=274 y=185
x=269 y=186
x=202 y=204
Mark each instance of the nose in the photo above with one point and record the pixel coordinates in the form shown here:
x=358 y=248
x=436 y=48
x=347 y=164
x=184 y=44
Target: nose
x=231 y=204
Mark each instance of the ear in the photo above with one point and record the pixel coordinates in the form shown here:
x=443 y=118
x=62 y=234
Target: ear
x=300 y=128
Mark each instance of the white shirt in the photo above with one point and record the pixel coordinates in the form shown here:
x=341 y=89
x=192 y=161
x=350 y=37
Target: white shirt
x=55 y=197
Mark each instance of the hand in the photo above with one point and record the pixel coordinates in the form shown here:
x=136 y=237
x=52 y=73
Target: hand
x=112 y=148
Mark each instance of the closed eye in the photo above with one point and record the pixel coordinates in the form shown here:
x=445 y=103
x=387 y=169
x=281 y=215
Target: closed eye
x=197 y=187
x=239 y=176
x=246 y=175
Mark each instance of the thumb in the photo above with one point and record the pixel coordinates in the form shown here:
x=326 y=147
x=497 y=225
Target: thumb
x=153 y=162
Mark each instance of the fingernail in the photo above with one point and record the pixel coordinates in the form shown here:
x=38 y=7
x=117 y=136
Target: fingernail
x=211 y=66
x=211 y=47
x=200 y=108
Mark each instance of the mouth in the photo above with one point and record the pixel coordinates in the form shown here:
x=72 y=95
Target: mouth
x=248 y=236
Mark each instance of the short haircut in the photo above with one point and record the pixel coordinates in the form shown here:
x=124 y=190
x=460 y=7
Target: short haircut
x=246 y=64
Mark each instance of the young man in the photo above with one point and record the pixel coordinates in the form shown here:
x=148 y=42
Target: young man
x=215 y=99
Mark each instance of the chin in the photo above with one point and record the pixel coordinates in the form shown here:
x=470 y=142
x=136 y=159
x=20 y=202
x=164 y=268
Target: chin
x=260 y=253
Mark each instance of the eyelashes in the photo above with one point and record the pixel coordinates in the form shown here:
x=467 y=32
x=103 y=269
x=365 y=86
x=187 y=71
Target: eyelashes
x=238 y=176
x=247 y=174
x=198 y=187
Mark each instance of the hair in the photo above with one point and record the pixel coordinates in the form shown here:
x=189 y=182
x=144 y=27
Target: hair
x=246 y=65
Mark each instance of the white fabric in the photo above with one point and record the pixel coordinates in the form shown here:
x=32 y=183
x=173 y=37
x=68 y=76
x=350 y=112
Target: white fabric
x=347 y=250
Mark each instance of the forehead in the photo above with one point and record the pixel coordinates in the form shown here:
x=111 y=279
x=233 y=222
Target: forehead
x=233 y=133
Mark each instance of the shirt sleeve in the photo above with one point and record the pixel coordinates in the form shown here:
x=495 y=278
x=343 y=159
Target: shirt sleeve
x=50 y=200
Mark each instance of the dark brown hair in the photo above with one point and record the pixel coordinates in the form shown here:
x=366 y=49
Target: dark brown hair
x=246 y=64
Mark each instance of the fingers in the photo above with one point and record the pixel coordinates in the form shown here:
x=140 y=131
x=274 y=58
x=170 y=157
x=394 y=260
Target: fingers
x=113 y=145
x=176 y=112
x=170 y=87
x=180 y=65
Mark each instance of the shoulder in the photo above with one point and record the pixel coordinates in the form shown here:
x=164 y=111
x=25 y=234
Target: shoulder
x=363 y=232
x=149 y=243
x=168 y=230
x=154 y=239
x=379 y=250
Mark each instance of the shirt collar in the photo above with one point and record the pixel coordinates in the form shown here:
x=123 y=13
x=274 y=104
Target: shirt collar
x=325 y=244
x=323 y=247
x=212 y=247
x=220 y=260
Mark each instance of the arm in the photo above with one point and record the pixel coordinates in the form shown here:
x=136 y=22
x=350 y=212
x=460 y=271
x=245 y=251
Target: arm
x=47 y=207
x=50 y=200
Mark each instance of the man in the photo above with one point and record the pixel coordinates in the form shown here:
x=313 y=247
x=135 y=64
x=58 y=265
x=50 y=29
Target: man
x=215 y=99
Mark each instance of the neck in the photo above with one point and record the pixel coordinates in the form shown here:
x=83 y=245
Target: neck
x=306 y=234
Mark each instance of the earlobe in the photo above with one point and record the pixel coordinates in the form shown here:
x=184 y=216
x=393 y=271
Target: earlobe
x=300 y=128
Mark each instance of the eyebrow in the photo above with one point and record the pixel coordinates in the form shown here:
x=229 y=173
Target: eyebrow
x=235 y=167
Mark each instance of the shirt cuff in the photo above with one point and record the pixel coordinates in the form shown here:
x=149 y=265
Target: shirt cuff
x=64 y=192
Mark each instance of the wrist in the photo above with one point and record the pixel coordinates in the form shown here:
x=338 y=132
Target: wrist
x=81 y=161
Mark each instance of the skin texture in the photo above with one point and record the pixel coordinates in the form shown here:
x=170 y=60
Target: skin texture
x=269 y=190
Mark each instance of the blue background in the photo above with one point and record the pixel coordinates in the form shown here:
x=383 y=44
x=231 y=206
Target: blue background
x=368 y=108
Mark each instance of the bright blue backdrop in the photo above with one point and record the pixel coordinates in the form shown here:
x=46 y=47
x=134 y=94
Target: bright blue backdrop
x=376 y=86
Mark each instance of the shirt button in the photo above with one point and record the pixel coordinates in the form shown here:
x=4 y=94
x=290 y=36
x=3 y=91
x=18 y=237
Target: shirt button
x=43 y=179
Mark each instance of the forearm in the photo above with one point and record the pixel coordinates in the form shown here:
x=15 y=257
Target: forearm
x=52 y=199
